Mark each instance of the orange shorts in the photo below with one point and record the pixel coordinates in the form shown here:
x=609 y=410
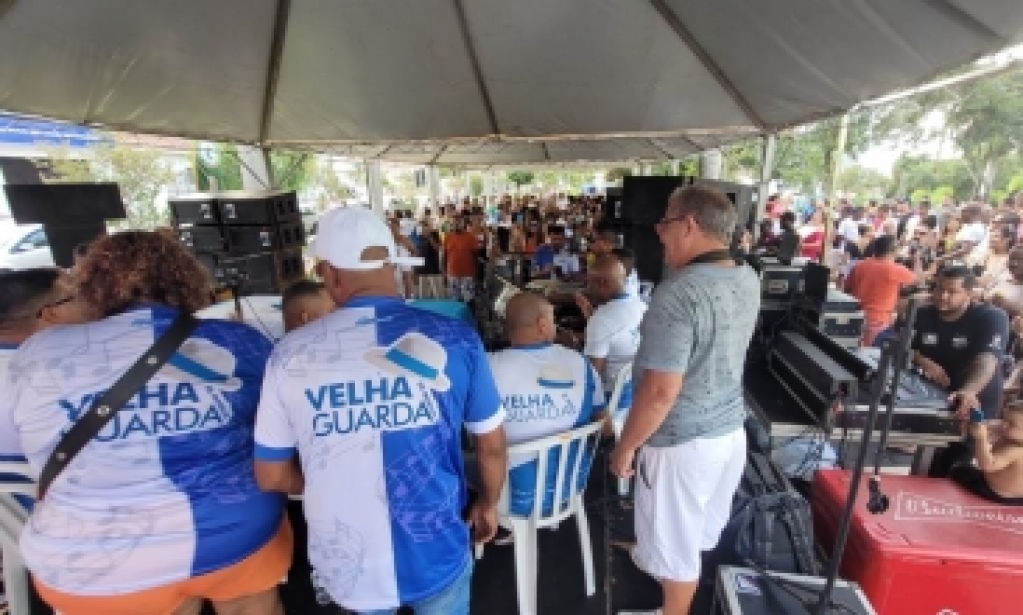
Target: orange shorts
x=255 y=574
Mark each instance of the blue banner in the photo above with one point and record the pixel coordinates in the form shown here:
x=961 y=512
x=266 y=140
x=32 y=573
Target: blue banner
x=15 y=130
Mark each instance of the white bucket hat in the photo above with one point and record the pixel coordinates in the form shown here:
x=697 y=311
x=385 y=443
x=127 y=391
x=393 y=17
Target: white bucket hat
x=414 y=354
x=556 y=377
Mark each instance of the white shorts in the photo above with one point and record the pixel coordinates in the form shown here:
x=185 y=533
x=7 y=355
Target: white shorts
x=683 y=502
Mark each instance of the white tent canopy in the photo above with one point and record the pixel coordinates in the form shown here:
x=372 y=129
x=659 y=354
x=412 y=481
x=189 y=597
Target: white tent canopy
x=479 y=81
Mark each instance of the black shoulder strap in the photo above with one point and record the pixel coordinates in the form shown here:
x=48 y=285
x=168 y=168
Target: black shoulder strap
x=712 y=256
x=110 y=403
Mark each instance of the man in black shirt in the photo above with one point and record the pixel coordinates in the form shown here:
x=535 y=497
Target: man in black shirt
x=959 y=344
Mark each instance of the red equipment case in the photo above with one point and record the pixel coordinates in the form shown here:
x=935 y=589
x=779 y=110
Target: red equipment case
x=938 y=550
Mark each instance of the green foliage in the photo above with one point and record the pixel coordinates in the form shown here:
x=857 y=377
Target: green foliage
x=742 y=159
x=291 y=170
x=520 y=178
x=476 y=185
x=939 y=194
x=140 y=174
x=863 y=182
x=983 y=118
x=919 y=172
x=617 y=174
x=919 y=194
x=329 y=189
x=222 y=170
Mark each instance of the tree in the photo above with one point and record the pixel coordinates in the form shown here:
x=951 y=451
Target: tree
x=140 y=174
x=617 y=174
x=863 y=182
x=329 y=187
x=520 y=178
x=922 y=173
x=476 y=185
x=217 y=167
x=983 y=118
x=805 y=156
x=290 y=169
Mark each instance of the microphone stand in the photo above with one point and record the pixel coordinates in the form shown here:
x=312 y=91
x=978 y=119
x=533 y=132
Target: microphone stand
x=901 y=360
x=824 y=602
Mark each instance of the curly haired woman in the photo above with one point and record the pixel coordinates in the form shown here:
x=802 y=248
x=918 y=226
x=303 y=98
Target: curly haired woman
x=161 y=509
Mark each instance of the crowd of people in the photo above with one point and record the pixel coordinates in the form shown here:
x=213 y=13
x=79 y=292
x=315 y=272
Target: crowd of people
x=961 y=269
x=360 y=409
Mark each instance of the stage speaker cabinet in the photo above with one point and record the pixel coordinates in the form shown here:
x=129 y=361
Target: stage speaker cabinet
x=242 y=240
x=203 y=239
x=266 y=273
x=645 y=198
x=613 y=211
x=200 y=209
x=642 y=239
x=258 y=208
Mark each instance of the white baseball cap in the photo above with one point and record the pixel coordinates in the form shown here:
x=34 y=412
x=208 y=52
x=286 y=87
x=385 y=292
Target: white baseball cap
x=343 y=233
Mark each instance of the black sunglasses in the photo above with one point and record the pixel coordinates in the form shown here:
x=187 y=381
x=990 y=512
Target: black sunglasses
x=55 y=304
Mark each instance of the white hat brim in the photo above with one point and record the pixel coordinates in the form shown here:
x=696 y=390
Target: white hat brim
x=377 y=358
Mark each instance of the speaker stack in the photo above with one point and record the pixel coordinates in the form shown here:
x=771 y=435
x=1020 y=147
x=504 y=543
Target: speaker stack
x=251 y=241
x=633 y=211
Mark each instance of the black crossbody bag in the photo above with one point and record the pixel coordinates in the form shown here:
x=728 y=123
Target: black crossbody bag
x=106 y=407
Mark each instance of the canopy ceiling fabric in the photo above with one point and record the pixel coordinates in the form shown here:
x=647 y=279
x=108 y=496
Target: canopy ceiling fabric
x=479 y=81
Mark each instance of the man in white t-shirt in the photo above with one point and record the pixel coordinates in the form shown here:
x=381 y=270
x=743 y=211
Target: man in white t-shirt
x=612 y=331
x=371 y=400
x=546 y=389
x=849 y=227
x=972 y=233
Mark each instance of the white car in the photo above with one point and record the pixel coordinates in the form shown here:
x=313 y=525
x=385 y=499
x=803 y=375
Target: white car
x=24 y=246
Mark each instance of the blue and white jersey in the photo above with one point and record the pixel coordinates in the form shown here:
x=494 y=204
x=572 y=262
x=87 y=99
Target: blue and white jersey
x=546 y=389
x=10 y=446
x=166 y=491
x=372 y=398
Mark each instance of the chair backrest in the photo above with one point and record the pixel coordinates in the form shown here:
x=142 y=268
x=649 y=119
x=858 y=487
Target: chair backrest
x=646 y=289
x=17 y=487
x=16 y=478
x=571 y=468
x=622 y=379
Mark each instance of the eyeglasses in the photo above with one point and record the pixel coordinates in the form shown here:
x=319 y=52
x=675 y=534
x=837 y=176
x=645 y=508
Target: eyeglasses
x=664 y=222
x=55 y=304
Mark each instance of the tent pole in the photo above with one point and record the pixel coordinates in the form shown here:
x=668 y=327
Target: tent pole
x=766 y=173
x=255 y=167
x=710 y=164
x=375 y=187
x=433 y=178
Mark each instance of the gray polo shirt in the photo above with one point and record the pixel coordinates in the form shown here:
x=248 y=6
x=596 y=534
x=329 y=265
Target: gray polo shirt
x=699 y=323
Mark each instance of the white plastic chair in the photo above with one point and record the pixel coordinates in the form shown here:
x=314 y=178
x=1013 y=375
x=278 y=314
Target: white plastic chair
x=646 y=290
x=13 y=518
x=617 y=415
x=524 y=528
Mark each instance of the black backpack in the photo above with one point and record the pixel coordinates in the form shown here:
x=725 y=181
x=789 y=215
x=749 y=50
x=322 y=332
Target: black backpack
x=770 y=527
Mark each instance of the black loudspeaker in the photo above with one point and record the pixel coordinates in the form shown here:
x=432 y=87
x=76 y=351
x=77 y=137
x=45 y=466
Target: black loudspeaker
x=71 y=214
x=195 y=209
x=642 y=239
x=613 y=210
x=645 y=199
x=242 y=240
x=258 y=207
x=250 y=241
x=267 y=273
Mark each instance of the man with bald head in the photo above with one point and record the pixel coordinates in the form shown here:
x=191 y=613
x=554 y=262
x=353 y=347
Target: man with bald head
x=612 y=332
x=545 y=388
